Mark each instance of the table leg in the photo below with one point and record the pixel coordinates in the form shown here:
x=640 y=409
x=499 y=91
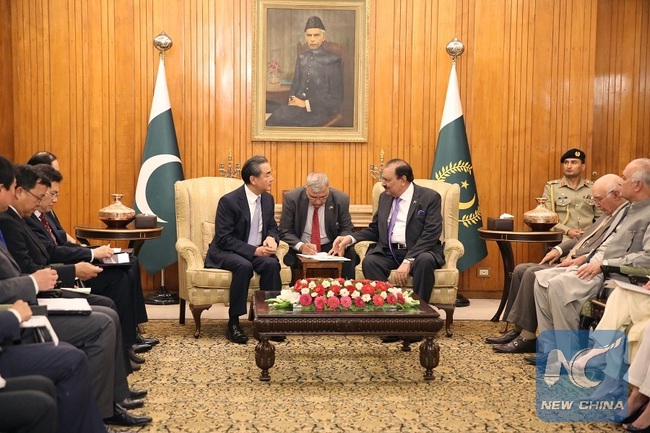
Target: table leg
x=264 y=357
x=508 y=266
x=429 y=357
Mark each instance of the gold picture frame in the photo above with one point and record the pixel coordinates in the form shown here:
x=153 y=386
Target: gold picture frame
x=279 y=45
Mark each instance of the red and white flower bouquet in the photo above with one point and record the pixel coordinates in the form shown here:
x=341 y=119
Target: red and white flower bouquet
x=329 y=294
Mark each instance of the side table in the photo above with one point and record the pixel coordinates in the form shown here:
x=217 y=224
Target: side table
x=320 y=268
x=504 y=240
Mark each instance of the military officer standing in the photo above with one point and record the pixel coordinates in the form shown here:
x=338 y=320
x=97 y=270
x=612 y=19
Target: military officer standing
x=570 y=197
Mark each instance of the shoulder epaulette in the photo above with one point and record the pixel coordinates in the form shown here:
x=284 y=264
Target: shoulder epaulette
x=553 y=182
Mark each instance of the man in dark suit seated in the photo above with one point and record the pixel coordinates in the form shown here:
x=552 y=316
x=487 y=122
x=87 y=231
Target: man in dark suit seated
x=120 y=283
x=317 y=88
x=406 y=229
x=65 y=365
x=246 y=239
x=97 y=334
x=316 y=205
x=27 y=405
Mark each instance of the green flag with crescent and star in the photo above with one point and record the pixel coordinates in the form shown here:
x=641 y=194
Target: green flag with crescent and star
x=453 y=164
x=161 y=168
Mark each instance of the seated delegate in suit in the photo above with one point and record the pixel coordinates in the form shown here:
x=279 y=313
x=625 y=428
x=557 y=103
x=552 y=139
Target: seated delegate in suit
x=406 y=229
x=65 y=365
x=246 y=239
x=117 y=282
x=62 y=238
x=316 y=92
x=27 y=405
x=316 y=205
x=97 y=334
x=520 y=309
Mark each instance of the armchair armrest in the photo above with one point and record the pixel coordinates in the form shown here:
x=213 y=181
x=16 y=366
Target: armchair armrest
x=283 y=249
x=189 y=252
x=453 y=251
x=361 y=248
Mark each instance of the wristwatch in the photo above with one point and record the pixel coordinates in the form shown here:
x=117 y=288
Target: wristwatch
x=408 y=261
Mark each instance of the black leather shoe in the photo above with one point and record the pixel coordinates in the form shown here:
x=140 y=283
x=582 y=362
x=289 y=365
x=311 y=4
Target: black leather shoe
x=131 y=403
x=518 y=345
x=134 y=356
x=505 y=338
x=122 y=417
x=134 y=366
x=142 y=340
x=141 y=348
x=389 y=339
x=236 y=334
x=138 y=393
x=278 y=338
x=532 y=360
x=630 y=427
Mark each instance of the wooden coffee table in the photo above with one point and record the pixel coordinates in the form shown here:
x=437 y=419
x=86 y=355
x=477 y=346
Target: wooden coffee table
x=423 y=321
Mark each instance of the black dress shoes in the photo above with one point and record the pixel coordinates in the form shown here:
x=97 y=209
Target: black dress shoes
x=138 y=393
x=131 y=403
x=505 y=338
x=142 y=340
x=134 y=366
x=630 y=427
x=141 y=347
x=134 y=356
x=236 y=334
x=518 y=345
x=389 y=339
x=122 y=417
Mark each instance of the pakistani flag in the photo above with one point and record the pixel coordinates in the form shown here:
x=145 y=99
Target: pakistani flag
x=161 y=168
x=453 y=164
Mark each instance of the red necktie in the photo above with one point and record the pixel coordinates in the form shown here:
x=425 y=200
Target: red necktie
x=46 y=223
x=315 y=230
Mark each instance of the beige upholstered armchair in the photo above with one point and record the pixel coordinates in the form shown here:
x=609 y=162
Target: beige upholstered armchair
x=196 y=204
x=445 y=288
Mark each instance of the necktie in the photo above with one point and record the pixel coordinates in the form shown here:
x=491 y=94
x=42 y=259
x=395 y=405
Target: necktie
x=255 y=224
x=315 y=229
x=48 y=227
x=612 y=230
x=391 y=225
x=2 y=240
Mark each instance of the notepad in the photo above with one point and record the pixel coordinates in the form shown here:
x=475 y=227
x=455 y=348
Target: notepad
x=72 y=306
x=629 y=286
x=324 y=257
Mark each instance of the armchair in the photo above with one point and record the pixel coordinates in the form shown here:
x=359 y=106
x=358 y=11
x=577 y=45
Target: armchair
x=196 y=204
x=445 y=287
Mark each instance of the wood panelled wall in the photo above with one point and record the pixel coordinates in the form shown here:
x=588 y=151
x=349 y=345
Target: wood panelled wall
x=537 y=77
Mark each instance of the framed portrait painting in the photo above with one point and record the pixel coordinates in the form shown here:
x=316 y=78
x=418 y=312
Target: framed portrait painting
x=310 y=70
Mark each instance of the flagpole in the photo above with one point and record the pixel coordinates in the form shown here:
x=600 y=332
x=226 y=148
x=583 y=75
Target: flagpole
x=162 y=296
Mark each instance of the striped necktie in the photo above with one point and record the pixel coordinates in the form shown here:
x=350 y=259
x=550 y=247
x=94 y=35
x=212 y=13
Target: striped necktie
x=48 y=227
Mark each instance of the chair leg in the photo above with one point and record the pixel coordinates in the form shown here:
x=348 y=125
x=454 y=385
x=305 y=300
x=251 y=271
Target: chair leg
x=181 y=313
x=197 y=310
x=449 y=317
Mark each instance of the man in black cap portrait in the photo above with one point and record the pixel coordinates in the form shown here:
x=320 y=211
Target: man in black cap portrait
x=316 y=91
x=566 y=196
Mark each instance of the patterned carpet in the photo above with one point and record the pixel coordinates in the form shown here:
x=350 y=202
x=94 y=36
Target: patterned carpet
x=337 y=384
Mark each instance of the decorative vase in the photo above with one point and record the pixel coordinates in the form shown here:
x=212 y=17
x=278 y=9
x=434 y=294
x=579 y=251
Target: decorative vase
x=116 y=215
x=274 y=77
x=540 y=219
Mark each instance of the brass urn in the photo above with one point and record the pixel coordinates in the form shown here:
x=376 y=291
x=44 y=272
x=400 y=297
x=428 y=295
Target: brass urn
x=541 y=219
x=116 y=215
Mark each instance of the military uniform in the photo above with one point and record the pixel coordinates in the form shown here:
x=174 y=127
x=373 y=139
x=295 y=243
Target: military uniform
x=569 y=204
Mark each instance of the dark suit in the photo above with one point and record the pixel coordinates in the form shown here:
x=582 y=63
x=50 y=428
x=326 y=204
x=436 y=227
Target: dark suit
x=64 y=365
x=28 y=405
x=97 y=335
x=338 y=222
x=229 y=249
x=129 y=298
x=317 y=77
x=423 y=230
x=32 y=254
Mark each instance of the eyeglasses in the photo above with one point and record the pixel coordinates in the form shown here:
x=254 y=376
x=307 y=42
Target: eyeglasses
x=592 y=199
x=53 y=194
x=40 y=199
x=318 y=198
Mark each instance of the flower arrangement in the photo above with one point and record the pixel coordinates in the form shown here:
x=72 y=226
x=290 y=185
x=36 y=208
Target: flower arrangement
x=329 y=294
x=274 y=67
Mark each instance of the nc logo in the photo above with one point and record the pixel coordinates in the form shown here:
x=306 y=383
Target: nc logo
x=575 y=366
